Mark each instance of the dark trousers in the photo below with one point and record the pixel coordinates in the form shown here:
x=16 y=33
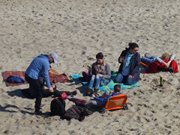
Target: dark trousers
x=37 y=89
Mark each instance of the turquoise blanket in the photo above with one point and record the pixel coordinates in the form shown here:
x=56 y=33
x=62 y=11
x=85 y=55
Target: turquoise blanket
x=110 y=86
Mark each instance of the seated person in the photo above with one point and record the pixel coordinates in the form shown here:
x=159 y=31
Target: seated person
x=164 y=63
x=101 y=100
x=101 y=73
x=129 y=70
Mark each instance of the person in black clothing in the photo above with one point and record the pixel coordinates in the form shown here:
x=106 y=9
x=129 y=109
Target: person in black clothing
x=129 y=72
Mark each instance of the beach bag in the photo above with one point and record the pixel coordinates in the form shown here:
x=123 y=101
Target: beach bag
x=57 y=107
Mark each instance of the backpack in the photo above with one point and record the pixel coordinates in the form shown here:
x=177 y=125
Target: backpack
x=57 y=107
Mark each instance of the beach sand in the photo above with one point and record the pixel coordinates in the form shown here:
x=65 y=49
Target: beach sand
x=77 y=30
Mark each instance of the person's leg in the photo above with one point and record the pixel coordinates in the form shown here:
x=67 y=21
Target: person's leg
x=91 y=83
x=97 y=81
x=133 y=80
x=119 y=78
x=103 y=81
x=38 y=95
x=57 y=93
x=148 y=59
x=37 y=91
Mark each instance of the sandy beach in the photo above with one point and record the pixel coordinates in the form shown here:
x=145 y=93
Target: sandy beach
x=77 y=31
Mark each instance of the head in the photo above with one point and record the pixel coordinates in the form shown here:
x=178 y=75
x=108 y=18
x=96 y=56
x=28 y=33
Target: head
x=133 y=47
x=100 y=58
x=117 y=88
x=53 y=58
x=165 y=56
x=63 y=96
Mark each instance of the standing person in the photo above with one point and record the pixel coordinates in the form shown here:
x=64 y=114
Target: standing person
x=39 y=68
x=101 y=72
x=129 y=72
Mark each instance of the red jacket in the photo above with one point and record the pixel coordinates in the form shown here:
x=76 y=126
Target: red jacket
x=157 y=66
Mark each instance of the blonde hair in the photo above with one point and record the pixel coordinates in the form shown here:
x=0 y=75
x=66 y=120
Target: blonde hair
x=165 y=55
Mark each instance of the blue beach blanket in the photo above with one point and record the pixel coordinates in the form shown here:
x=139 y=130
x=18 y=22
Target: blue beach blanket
x=110 y=86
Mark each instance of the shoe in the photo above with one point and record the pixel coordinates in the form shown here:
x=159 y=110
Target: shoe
x=96 y=92
x=89 y=92
x=74 y=93
x=38 y=113
x=147 y=55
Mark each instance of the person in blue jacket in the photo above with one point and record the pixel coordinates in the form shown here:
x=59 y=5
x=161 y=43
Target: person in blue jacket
x=39 y=68
x=129 y=70
x=102 y=100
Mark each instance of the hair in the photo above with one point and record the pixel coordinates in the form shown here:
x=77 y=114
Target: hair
x=99 y=55
x=117 y=88
x=133 y=45
x=165 y=56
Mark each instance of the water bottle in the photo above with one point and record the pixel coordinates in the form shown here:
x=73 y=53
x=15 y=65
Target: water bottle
x=161 y=81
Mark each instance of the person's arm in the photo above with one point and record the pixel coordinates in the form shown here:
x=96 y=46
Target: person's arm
x=46 y=75
x=121 y=57
x=137 y=65
x=94 y=69
x=161 y=61
x=108 y=72
x=171 y=59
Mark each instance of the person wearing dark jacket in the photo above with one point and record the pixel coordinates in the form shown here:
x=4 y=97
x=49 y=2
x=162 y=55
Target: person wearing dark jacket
x=129 y=72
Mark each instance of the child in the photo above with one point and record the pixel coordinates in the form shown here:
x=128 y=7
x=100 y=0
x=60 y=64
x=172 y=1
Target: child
x=101 y=73
x=101 y=100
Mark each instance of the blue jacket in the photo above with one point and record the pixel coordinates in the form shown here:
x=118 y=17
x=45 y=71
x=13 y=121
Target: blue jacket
x=39 y=67
x=103 y=100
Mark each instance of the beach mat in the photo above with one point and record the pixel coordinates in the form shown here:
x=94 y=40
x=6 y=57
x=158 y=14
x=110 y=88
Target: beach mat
x=7 y=74
x=54 y=77
x=111 y=84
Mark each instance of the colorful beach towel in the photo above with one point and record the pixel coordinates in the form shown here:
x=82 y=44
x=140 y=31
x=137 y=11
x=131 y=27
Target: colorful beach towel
x=54 y=76
x=7 y=74
x=110 y=86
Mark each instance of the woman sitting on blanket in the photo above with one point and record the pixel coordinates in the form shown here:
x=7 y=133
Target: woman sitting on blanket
x=101 y=73
x=129 y=70
x=164 y=63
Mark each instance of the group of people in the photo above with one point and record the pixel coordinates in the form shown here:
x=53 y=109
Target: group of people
x=131 y=65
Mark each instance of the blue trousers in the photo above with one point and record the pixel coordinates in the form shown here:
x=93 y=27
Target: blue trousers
x=126 y=79
x=96 y=81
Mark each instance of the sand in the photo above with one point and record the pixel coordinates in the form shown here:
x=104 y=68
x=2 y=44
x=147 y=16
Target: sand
x=77 y=30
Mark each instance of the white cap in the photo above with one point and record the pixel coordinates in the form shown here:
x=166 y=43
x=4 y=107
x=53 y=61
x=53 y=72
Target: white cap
x=55 y=57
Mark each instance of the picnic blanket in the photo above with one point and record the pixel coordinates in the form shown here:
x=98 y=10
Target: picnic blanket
x=7 y=74
x=54 y=77
x=110 y=86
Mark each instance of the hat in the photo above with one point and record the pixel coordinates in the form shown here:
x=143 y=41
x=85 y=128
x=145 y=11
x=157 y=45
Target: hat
x=55 y=57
